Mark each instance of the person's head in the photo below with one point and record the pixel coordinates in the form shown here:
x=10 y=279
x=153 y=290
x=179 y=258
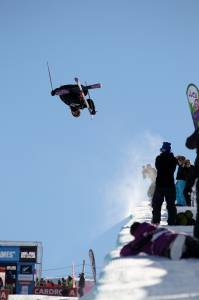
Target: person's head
x=133 y=227
x=181 y=159
x=187 y=163
x=75 y=113
x=70 y=278
x=166 y=147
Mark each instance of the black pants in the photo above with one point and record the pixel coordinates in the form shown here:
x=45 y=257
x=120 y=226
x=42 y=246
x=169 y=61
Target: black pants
x=81 y=291
x=191 y=247
x=169 y=193
x=82 y=105
x=187 y=195
x=196 y=227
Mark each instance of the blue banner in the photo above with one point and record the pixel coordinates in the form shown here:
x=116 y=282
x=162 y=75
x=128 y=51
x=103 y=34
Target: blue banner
x=9 y=253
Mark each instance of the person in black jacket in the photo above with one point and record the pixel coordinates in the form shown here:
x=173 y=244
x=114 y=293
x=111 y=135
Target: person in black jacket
x=71 y=95
x=81 y=284
x=190 y=180
x=192 y=142
x=165 y=164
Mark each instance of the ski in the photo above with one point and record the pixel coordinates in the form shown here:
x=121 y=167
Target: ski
x=94 y=86
x=82 y=94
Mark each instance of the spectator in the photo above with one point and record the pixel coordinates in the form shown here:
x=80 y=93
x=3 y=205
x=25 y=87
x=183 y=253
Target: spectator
x=190 y=180
x=69 y=282
x=180 y=181
x=154 y=240
x=81 y=284
x=63 y=282
x=149 y=172
x=1 y=283
x=59 y=283
x=165 y=164
x=192 y=142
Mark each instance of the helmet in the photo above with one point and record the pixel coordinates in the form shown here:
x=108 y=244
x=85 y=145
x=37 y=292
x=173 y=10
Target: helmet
x=75 y=113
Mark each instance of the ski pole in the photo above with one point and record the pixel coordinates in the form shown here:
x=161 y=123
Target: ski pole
x=50 y=76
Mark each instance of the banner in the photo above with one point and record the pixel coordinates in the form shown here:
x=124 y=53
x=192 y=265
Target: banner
x=193 y=100
x=3 y=294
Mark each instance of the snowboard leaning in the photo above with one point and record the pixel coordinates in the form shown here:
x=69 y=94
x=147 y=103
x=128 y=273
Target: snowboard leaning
x=193 y=101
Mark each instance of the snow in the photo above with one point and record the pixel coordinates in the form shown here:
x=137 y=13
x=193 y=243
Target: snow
x=38 y=297
x=146 y=277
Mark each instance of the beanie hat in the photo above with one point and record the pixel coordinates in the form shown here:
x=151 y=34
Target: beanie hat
x=166 y=147
x=133 y=227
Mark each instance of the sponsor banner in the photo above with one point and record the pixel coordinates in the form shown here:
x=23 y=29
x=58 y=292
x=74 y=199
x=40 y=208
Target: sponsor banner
x=25 y=277
x=3 y=294
x=22 y=283
x=8 y=253
x=48 y=291
x=55 y=291
x=26 y=269
x=28 y=253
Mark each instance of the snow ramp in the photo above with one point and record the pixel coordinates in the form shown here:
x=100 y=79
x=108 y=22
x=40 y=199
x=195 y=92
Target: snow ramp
x=145 y=277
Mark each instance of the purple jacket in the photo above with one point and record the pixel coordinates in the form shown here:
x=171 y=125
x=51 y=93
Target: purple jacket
x=149 y=239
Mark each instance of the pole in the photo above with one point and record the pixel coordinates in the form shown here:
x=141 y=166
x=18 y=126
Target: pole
x=50 y=76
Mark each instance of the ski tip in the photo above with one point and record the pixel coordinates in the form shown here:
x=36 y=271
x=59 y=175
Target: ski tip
x=76 y=79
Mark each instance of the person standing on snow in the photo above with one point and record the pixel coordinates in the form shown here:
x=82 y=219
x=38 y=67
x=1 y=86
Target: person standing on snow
x=180 y=181
x=160 y=241
x=192 y=142
x=81 y=284
x=190 y=180
x=165 y=164
x=71 y=96
x=149 y=172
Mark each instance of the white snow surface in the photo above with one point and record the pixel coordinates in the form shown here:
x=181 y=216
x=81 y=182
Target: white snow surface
x=38 y=297
x=144 y=277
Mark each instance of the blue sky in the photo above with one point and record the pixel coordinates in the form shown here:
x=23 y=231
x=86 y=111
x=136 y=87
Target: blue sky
x=56 y=170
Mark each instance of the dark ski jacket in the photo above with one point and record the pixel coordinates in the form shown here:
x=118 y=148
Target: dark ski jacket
x=149 y=239
x=190 y=177
x=181 y=173
x=165 y=164
x=81 y=281
x=192 y=142
x=70 y=94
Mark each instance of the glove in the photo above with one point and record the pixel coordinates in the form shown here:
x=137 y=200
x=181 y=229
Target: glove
x=52 y=93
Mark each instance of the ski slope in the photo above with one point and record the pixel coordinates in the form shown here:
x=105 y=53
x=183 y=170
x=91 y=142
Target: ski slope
x=146 y=277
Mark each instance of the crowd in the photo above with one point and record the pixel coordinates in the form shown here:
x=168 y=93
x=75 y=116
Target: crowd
x=66 y=284
x=153 y=239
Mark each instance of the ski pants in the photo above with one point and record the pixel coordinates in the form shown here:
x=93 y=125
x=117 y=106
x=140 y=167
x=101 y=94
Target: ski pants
x=180 y=199
x=191 y=247
x=169 y=193
x=196 y=227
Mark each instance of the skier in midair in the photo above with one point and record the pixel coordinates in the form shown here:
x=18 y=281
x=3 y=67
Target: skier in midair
x=71 y=95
